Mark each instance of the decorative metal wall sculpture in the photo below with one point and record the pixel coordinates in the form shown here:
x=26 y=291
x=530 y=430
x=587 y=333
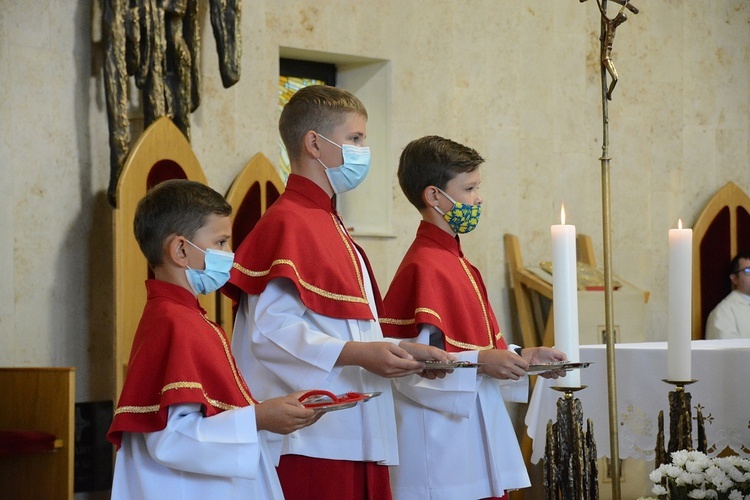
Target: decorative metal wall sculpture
x=158 y=43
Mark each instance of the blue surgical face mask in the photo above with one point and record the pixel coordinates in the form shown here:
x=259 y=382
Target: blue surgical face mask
x=354 y=170
x=216 y=273
x=462 y=218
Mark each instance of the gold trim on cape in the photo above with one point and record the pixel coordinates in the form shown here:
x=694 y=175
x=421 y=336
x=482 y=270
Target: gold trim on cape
x=230 y=359
x=402 y=322
x=197 y=385
x=309 y=286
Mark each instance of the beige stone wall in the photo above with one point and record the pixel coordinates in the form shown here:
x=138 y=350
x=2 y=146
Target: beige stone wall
x=517 y=80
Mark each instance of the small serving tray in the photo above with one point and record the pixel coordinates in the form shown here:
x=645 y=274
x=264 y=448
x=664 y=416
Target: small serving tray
x=551 y=367
x=448 y=365
x=324 y=401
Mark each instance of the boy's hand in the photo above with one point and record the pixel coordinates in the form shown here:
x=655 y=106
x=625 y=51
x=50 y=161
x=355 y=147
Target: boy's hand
x=543 y=356
x=285 y=414
x=502 y=364
x=424 y=352
x=381 y=358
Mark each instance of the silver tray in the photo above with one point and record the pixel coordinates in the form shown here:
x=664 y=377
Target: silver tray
x=448 y=365
x=551 y=367
x=333 y=406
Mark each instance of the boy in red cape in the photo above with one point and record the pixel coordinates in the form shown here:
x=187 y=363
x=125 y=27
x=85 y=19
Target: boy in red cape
x=456 y=439
x=186 y=425
x=308 y=307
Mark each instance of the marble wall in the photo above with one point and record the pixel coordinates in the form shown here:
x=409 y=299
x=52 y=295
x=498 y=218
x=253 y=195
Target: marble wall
x=516 y=79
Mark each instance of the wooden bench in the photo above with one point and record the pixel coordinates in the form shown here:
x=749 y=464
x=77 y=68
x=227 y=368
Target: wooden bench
x=37 y=425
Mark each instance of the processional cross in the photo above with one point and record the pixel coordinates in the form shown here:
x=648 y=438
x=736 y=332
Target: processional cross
x=607 y=38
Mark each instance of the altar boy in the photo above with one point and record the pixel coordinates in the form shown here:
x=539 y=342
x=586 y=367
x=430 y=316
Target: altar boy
x=186 y=425
x=455 y=438
x=309 y=303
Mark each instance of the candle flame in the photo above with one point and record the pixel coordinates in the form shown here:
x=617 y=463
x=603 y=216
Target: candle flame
x=679 y=223
x=562 y=214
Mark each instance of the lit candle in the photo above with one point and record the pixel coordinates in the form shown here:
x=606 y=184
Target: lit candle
x=680 y=305
x=565 y=296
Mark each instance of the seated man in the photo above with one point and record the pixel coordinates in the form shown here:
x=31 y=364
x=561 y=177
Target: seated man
x=731 y=318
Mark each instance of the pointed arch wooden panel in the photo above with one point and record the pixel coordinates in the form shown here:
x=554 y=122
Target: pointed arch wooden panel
x=720 y=232
x=162 y=152
x=255 y=189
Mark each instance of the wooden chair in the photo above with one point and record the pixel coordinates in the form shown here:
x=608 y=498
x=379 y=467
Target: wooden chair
x=162 y=152
x=721 y=231
x=37 y=401
x=254 y=190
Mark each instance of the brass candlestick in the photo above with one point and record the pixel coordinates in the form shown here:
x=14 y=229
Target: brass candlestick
x=570 y=469
x=680 y=424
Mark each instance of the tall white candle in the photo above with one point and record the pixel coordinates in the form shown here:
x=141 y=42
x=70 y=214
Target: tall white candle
x=565 y=296
x=680 y=304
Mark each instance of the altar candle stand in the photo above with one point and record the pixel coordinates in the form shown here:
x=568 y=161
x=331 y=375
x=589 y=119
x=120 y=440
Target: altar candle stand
x=678 y=350
x=570 y=469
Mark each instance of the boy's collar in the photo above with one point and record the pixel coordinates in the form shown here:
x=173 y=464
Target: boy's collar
x=178 y=293
x=450 y=241
x=310 y=190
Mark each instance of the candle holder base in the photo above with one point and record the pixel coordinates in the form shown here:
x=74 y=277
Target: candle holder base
x=679 y=384
x=568 y=391
x=570 y=468
x=680 y=424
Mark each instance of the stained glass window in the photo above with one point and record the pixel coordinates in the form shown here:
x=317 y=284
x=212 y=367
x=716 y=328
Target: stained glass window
x=295 y=75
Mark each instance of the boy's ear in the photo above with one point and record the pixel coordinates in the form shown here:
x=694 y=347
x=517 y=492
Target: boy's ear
x=310 y=144
x=430 y=196
x=175 y=250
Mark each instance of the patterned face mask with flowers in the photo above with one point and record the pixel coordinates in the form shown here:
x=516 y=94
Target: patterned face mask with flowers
x=462 y=218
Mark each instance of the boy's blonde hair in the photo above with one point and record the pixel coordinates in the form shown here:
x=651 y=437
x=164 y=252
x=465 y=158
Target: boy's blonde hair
x=318 y=107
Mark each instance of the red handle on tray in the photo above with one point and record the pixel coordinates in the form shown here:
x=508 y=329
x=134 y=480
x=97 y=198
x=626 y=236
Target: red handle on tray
x=349 y=397
x=327 y=394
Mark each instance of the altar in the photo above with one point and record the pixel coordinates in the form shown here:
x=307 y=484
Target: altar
x=721 y=369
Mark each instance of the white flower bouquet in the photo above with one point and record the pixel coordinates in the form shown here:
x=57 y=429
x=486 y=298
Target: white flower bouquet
x=692 y=474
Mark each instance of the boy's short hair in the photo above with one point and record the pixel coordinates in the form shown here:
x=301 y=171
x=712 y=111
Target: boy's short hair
x=176 y=206
x=317 y=107
x=433 y=161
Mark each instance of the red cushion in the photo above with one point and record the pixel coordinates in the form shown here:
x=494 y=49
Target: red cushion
x=14 y=441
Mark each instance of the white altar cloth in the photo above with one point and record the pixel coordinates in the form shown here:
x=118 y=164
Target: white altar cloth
x=722 y=371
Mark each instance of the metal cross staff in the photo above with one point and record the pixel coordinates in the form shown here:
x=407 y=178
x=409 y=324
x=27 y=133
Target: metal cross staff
x=607 y=38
